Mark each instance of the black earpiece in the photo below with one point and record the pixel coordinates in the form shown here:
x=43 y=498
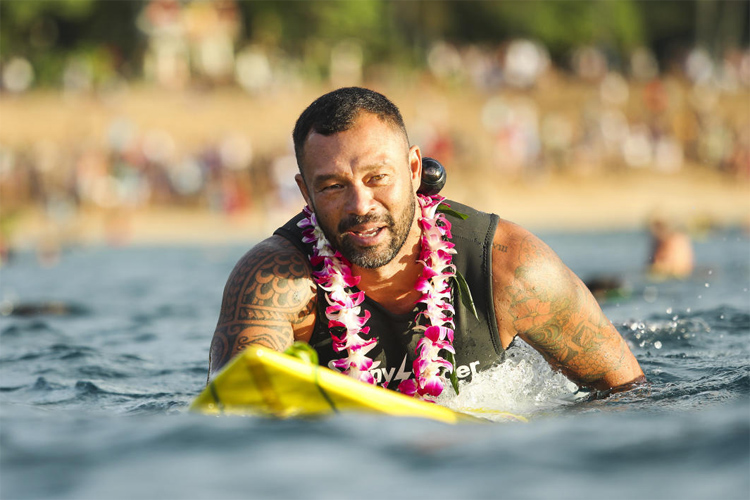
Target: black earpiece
x=433 y=177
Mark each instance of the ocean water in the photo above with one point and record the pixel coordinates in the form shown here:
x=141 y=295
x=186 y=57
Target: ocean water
x=101 y=354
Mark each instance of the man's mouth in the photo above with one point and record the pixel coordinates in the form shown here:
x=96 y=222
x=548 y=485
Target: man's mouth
x=368 y=232
x=365 y=236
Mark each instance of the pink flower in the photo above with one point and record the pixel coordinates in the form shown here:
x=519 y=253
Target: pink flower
x=432 y=385
x=344 y=309
x=408 y=387
x=438 y=334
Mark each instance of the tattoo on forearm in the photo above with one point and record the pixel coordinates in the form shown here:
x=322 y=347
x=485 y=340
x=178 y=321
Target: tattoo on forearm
x=500 y=248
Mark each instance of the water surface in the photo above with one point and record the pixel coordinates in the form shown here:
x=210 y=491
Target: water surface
x=92 y=402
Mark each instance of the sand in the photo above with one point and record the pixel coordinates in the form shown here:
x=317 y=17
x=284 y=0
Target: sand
x=694 y=196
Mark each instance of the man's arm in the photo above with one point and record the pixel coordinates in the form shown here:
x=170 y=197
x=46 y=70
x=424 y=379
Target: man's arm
x=546 y=304
x=269 y=299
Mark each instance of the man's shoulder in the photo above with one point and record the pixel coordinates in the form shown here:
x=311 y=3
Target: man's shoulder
x=515 y=246
x=276 y=256
x=512 y=231
x=509 y=240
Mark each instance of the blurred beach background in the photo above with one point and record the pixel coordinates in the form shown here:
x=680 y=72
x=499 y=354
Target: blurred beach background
x=145 y=145
x=164 y=121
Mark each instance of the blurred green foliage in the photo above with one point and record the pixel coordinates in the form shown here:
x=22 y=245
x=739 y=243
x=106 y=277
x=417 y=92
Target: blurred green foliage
x=48 y=32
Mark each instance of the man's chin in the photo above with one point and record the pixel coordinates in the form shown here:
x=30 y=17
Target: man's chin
x=370 y=263
x=369 y=257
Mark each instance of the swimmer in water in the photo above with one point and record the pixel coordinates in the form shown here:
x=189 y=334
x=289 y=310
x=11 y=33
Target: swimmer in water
x=671 y=251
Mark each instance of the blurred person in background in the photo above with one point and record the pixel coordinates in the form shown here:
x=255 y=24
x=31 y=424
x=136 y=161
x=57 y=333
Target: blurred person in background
x=671 y=250
x=367 y=230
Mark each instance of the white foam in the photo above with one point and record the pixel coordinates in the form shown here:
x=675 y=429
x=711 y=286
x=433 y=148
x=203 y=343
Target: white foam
x=524 y=383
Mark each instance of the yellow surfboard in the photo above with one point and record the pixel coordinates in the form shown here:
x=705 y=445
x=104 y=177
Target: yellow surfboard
x=264 y=382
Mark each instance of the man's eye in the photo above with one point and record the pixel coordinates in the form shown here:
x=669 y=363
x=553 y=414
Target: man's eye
x=378 y=178
x=331 y=187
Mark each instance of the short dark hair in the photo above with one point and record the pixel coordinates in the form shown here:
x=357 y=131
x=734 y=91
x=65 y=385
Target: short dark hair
x=336 y=112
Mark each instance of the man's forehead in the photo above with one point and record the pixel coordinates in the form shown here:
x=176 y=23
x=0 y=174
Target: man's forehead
x=363 y=119
x=367 y=130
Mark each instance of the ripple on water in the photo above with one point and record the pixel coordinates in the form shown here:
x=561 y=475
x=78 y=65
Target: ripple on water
x=686 y=331
x=157 y=408
x=42 y=384
x=100 y=372
x=721 y=386
x=56 y=352
x=22 y=329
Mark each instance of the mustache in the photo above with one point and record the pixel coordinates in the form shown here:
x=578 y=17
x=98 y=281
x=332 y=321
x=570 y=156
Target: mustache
x=355 y=220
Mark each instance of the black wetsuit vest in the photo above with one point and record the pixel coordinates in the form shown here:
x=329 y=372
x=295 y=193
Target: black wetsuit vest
x=476 y=341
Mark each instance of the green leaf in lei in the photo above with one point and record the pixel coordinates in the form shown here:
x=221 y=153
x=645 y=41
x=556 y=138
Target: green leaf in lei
x=465 y=293
x=454 y=378
x=445 y=209
x=463 y=288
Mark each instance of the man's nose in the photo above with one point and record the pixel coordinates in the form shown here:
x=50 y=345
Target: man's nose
x=360 y=200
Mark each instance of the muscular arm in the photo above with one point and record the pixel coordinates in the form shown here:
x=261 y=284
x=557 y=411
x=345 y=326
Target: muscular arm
x=269 y=299
x=544 y=302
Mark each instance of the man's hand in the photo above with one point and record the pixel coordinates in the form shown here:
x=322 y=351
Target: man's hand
x=269 y=299
x=547 y=305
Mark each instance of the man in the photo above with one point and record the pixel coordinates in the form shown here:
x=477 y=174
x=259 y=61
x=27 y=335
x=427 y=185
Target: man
x=360 y=177
x=671 y=251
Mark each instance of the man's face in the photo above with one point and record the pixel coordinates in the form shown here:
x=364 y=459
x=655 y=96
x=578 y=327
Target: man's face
x=362 y=184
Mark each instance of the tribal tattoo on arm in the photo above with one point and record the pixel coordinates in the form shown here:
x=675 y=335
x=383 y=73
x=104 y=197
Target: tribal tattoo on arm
x=269 y=299
x=554 y=312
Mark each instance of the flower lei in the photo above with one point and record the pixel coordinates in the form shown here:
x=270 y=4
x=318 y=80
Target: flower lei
x=435 y=318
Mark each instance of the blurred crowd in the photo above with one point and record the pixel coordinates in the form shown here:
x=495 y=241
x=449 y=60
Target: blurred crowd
x=595 y=116
x=627 y=118
x=137 y=170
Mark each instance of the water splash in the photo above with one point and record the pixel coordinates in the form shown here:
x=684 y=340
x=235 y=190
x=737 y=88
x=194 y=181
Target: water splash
x=524 y=383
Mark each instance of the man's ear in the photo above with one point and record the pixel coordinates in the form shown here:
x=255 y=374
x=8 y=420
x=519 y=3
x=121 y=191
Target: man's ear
x=415 y=166
x=303 y=188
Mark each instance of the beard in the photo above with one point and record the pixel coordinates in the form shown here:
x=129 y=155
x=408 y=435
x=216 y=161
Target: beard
x=374 y=256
